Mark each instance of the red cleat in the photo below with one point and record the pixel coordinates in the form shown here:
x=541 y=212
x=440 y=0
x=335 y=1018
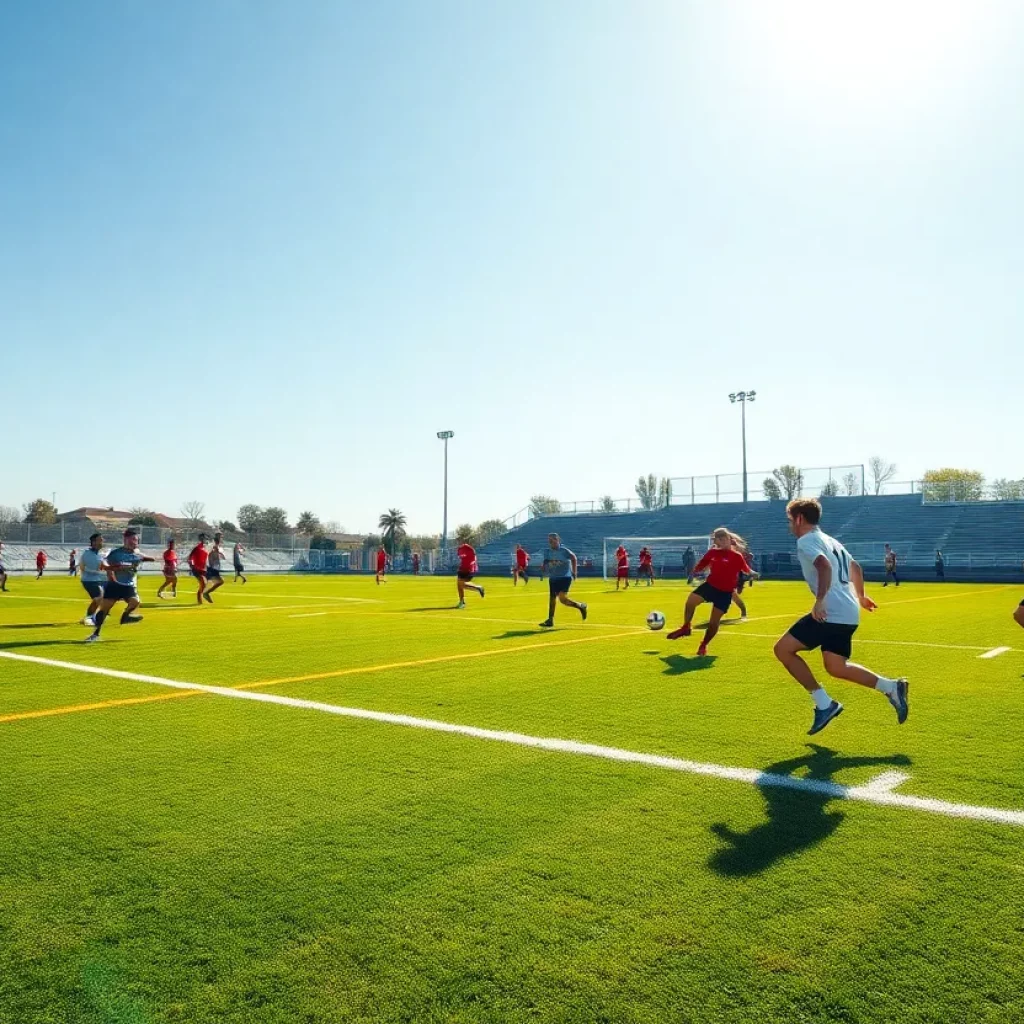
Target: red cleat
x=702 y=651
x=678 y=634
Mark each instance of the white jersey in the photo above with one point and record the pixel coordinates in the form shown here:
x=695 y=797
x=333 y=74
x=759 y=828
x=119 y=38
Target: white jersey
x=841 y=604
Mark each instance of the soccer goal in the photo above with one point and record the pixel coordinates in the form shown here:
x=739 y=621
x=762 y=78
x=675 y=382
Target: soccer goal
x=670 y=554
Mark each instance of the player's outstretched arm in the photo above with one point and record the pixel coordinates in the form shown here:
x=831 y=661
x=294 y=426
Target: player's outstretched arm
x=857 y=579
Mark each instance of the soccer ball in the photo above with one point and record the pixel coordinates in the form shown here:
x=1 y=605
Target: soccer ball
x=655 y=620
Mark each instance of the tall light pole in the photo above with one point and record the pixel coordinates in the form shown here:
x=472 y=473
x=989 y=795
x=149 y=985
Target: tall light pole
x=446 y=436
x=743 y=397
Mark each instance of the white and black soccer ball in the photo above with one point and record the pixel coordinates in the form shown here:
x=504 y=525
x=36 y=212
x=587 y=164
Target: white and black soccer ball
x=655 y=620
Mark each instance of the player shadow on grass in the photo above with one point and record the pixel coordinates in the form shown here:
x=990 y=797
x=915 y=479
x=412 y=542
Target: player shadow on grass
x=36 y=625
x=439 y=608
x=797 y=819
x=678 y=664
x=50 y=643
x=512 y=634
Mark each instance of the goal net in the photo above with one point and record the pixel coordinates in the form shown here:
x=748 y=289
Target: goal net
x=671 y=557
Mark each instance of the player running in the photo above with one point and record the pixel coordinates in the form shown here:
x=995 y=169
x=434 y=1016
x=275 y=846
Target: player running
x=837 y=582
x=122 y=566
x=689 y=564
x=621 y=567
x=646 y=567
x=1018 y=615
x=740 y=545
x=41 y=561
x=522 y=563
x=467 y=570
x=213 y=563
x=3 y=571
x=236 y=559
x=890 y=566
x=197 y=559
x=561 y=566
x=93 y=576
x=170 y=558
x=73 y=563
x=382 y=564
x=725 y=564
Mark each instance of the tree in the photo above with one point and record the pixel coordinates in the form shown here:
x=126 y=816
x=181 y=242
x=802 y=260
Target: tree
x=226 y=526
x=830 y=489
x=273 y=520
x=607 y=503
x=771 y=489
x=544 y=505
x=424 y=542
x=40 y=511
x=9 y=515
x=248 y=517
x=142 y=517
x=953 y=485
x=647 y=491
x=308 y=524
x=465 y=534
x=318 y=542
x=881 y=472
x=1008 y=490
x=192 y=513
x=790 y=481
x=851 y=484
x=490 y=529
x=392 y=523
x=332 y=526
x=371 y=542
x=665 y=492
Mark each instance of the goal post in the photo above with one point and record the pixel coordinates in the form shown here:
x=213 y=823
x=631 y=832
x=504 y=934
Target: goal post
x=669 y=554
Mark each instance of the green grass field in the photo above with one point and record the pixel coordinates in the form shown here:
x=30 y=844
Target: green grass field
x=174 y=855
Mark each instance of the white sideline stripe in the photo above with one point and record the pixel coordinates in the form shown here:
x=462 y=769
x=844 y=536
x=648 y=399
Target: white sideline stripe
x=307 y=615
x=870 y=793
x=995 y=652
x=886 y=782
x=866 y=640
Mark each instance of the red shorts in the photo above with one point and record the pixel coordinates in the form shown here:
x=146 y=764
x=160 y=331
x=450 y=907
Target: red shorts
x=623 y=572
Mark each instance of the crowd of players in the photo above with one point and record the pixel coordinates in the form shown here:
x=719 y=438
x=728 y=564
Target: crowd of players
x=835 y=578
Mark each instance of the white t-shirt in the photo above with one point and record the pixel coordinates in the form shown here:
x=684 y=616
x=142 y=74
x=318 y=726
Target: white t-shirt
x=841 y=604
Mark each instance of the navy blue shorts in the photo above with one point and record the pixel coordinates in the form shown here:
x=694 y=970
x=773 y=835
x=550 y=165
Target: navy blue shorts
x=119 y=592
x=560 y=585
x=239 y=568
x=212 y=574
x=831 y=637
x=200 y=574
x=464 y=576
x=93 y=588
x=721 y=599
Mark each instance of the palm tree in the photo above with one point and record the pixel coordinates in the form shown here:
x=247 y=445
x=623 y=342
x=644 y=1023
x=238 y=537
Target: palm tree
x=392 y=523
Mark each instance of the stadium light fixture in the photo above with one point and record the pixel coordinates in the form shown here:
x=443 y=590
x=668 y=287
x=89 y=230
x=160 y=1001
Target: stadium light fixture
x=446 y=436
x=743 y=397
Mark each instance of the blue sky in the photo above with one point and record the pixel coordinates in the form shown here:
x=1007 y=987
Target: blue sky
x=262 y=252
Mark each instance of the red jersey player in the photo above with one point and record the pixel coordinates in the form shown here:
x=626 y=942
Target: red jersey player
x=646 y=567
x=522 y=563
x=382 y=564
x=467 y=569
x=621 y=566
x=197 y=559
x=41 y=560
x=170 y=571
x=725 y=564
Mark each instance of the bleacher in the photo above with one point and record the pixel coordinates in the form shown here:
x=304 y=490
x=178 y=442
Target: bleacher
x=978 y=540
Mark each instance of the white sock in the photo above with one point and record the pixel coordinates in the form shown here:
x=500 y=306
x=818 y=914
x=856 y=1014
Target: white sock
x=821 y=699
x=886 y=686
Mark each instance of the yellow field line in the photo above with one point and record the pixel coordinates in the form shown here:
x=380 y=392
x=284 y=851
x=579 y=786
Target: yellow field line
x=21 y=716
x=364 y=669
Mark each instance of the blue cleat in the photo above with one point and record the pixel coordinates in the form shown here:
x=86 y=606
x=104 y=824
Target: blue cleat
x=825 y=715
x=900 y=700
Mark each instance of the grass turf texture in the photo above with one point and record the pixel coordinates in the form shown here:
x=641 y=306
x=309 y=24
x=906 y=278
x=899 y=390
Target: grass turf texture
x=195 y=858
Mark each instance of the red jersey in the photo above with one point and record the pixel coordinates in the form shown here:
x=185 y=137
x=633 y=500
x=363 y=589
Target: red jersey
x=522 y=559
x=467 y=558
x=382 y=560
x=198 y=557
x=726 y=566
x=623 y=557
x=645 y=558
x=41 y=559
x=171 y=559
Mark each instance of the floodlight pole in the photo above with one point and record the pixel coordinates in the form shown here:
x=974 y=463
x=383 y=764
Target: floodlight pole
x=743 y=397
x=446 y=436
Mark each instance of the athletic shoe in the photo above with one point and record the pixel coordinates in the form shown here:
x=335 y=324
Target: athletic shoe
x=481 y=592
x=743 y=618
x=207 y=598
x=702 y=651
x=130 y=620
x=678 y=634
x=461 y=604
x=583 y=611
x=89 y=621
x=822 y=716
x=92 y=638
x=547 y=623
x=900 y=700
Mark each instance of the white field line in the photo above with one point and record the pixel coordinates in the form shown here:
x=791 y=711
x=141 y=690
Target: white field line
x=995 y=652
x=878 y=791
x=308 y=615
x=866 y=640
x=886 y=782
